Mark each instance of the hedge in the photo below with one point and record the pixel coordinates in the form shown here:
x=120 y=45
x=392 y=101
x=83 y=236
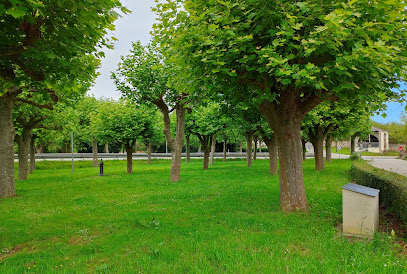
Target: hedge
x=392 y=186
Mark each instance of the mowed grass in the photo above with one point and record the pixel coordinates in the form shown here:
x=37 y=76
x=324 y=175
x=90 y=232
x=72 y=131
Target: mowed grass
x=225 y=219
x=346 y=151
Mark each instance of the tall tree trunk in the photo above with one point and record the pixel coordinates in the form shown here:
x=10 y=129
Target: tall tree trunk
x=206 y=142
x=316 y=137
x=149 y=151
x=32 y=155
x=240 y=147
x=188 y=156
x=95 y=152
x=272 y=148
x=353 y=143
x=107 y=147
x=285 y=120
x=328 y=148
x=129 y=154
x=23 y=143
x=207 y=152
x=249 y=141
x=304 y=149
x=199 y=149
x=7 y=180
x=224 y=150
x=255 y=148
x=213 y=146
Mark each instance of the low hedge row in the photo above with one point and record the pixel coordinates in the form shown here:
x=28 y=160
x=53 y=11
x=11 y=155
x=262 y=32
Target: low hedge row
x=392 y=186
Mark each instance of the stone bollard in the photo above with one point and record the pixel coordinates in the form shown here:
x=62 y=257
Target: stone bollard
x=360 y=209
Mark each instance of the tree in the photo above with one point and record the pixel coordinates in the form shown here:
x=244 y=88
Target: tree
x=48 y=47
x=144 y=77
x=205 y=121
x=123 y=122
x=294 y=55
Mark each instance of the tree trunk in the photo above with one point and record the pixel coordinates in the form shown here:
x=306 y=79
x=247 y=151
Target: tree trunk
x=224 y=150
x=199 y=150
x=206 y=142
x=207 y=152
x=285 y=120
x=149 y=151
x=353 y=144
x=106 y=147
x=177 y=143
x=129 y=153
x=249 y=141
x=23 y=143
x=328 y=148
x=240 y=147
x=272 y=148
x=255 y=149
x=32 y=155
x=316 y=136
x=213 y=144
x=95 y=152
x=304 y=149
x=7 y=180
x=319 y=153
x=188 y=156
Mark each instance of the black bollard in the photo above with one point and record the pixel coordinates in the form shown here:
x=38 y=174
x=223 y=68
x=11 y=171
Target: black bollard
x=101 y=167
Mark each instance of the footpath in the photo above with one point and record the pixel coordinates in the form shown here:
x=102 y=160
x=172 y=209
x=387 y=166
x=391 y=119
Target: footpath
x=389 y=163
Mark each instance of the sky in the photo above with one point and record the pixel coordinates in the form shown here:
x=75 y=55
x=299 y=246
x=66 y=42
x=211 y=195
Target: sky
x=137 y=26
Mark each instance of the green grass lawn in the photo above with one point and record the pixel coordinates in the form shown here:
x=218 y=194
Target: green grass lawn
x=225 y=219
x=346 y=151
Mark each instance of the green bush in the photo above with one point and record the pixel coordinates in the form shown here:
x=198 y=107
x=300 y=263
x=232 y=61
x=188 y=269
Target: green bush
x=354 y=157
x=393 y=187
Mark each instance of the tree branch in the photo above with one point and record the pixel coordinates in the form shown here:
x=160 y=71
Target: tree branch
x=45 y=106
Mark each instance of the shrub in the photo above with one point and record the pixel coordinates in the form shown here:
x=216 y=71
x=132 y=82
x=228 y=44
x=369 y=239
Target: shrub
x=393 y=187
x=354 y=157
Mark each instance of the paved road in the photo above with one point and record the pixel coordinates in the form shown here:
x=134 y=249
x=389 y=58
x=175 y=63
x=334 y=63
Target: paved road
x=389 y=163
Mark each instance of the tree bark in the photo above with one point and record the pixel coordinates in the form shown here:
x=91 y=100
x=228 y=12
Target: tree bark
x=95 y=152
x=7 y=180
x=106 y=147
x=240 y=147
x=206 y=142
x=213 y=143
x=304 y=149
x=249 y=141
x=23 y=143
x=272 y=148
x=32 y=155
x=149 y=151
x=353 y=144
x=328 y=148
x=176 y=144
x=285 y=119
x=188 y=152
x=316 y=137
x=129 y=154
x=224 y=150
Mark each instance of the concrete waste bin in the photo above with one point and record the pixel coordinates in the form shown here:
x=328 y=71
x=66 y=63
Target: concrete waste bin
x=360 y=210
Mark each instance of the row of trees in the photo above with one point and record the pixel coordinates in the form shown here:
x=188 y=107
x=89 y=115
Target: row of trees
x=282 y=58
x=49 y=51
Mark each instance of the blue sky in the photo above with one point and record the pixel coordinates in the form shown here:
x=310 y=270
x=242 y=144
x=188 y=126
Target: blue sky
x=137 y=26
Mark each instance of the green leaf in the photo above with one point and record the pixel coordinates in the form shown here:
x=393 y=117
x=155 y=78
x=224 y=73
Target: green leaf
x=17 y=12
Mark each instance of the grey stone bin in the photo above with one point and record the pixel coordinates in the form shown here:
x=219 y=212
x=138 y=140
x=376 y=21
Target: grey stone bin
x=360 y=210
